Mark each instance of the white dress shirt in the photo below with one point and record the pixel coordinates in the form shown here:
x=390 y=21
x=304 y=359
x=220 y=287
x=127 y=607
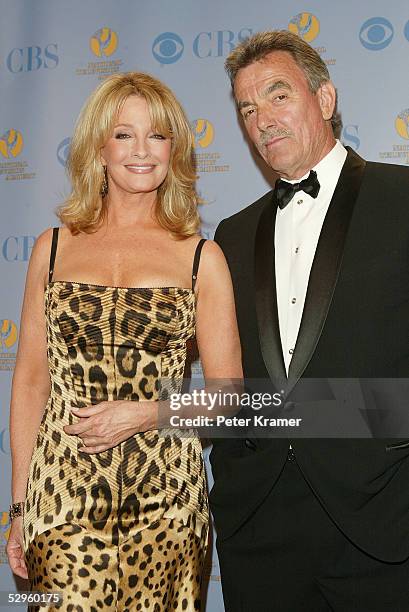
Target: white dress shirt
x=297 y=230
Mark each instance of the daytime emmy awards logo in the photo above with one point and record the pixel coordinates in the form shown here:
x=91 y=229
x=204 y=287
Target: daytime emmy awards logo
x=103 y=44
x=11 y=147
x=208 y=161
x=306 y=25
x=203 y=132
x=8 y=342
x=4 y=535
x=402 y=124
x=399 y=152
x=8 y=334
x=11 y=143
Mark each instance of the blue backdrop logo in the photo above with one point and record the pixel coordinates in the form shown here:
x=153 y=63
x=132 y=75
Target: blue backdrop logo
x=306 y=25
x=4 y=531
x=203 y=132
x=376 y=33
x=17 y=248
x=406 y=31
x=8 y=335
x=167 y=48
x=8 y=344
x=63 y=150
x=11 y=146
x=11 y=143
x=29 y=59
x=402 y=124
x=4 y=441
x=104 y=45
x=104 y=42
x=218 y=43
x=350 y=136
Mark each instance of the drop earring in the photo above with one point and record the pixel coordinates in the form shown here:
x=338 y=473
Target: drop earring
x=104 y=186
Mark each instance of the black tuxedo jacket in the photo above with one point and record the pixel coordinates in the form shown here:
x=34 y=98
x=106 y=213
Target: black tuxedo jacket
x=355 y=323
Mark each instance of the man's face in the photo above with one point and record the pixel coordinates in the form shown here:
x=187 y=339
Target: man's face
x=285 y=120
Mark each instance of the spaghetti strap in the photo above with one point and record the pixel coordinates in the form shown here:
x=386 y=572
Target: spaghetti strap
x=53 y=253
x=196 y=261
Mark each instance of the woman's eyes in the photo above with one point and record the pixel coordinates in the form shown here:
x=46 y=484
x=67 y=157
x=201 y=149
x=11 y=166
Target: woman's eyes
x=123 y=135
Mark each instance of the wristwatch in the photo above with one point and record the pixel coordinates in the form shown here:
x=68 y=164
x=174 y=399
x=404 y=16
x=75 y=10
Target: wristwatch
x=16 y=510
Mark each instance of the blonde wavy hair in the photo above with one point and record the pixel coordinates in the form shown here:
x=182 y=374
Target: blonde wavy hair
x=176 y=205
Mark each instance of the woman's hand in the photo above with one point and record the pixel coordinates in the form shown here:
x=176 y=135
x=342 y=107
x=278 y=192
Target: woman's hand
x=106 y=424
x=15 y=548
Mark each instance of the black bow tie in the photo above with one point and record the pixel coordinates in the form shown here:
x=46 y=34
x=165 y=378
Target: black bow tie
x=284 y=191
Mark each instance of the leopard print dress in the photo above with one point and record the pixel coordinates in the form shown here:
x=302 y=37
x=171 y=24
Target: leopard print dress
x=123 y=529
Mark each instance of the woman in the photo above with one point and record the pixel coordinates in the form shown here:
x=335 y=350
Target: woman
x=115 y=512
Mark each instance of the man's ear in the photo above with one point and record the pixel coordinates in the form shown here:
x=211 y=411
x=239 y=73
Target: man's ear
x=327 y=98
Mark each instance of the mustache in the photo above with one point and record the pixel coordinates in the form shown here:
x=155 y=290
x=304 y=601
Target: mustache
x=267 y=135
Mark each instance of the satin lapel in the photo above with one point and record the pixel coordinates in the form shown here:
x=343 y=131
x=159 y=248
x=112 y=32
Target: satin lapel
x=266 y=296
x=326 y=265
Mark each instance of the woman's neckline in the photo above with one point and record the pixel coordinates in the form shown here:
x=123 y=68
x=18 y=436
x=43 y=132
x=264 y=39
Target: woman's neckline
x=69 y=282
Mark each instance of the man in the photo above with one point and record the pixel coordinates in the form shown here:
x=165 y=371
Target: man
x=320 y=267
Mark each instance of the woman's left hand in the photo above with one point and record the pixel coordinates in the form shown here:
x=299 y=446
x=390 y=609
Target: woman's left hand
x=106 y=424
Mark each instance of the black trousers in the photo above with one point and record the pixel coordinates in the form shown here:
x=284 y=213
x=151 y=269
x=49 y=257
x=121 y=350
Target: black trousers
x=290 y=557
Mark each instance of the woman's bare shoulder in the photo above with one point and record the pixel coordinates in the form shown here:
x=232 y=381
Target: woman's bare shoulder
x=42 y=247
x=212 y=254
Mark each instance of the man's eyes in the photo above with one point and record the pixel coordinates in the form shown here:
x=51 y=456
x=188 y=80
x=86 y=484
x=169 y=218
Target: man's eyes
x=246 y=113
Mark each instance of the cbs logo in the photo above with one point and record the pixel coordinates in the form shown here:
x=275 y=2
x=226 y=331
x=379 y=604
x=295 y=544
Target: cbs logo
x=350 y=136
x=29 y=59
x=376 y=33
x=63 y=150
x=4 y=441
x=168 y=47
x=17 y=248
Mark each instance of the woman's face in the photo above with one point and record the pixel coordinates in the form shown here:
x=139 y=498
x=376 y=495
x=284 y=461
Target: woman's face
x=136 y=156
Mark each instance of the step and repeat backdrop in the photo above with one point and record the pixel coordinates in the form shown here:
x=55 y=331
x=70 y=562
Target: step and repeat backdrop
x=54 y=52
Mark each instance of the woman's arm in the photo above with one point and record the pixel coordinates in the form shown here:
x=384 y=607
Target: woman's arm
x=31 y=381
x=30 y=390
x=216 y=325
